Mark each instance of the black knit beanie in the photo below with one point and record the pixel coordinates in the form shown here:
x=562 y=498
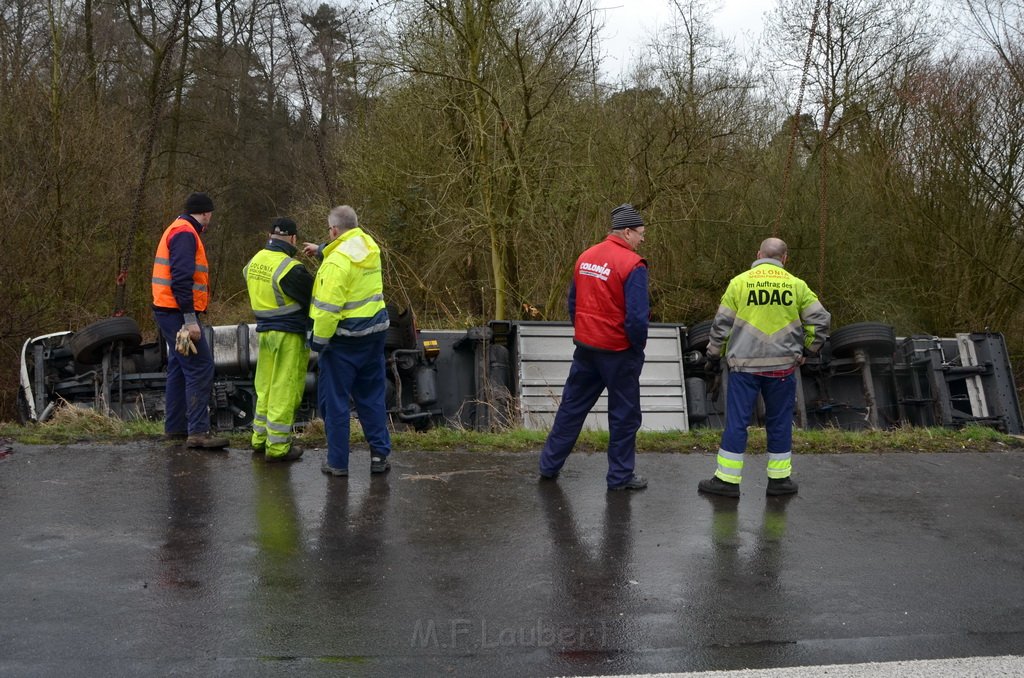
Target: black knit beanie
x=198 y=203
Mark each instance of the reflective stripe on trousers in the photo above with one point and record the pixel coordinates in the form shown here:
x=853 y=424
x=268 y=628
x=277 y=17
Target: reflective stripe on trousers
x=280 y=381
x=730 y=467
x=780 y=465
x=779 y=395
x=259 y=425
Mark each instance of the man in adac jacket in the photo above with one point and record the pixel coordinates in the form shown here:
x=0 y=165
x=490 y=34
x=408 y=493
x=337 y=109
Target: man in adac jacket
x=771 y=320
x=609 y=309
x=279 y=288
x=181 y=291
x=350 y=325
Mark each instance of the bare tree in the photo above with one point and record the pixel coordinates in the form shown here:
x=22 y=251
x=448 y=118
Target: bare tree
x=1000 y=25
x=499 y=68
x=958 y=185
x=850 y=53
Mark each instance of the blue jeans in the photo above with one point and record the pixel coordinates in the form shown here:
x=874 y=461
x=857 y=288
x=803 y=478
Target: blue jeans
x=779 y=395
x=592 y=372
x=353 y=368
x=189 y=379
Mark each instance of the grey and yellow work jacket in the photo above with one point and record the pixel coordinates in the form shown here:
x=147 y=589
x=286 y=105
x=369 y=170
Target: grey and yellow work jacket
x=280 y=288
x=348 y=293
x=768 y=316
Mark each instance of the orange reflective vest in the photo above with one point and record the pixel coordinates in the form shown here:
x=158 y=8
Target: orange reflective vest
x=163 y=297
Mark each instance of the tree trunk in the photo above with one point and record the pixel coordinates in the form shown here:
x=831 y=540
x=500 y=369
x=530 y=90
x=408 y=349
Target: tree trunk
x=170 y=187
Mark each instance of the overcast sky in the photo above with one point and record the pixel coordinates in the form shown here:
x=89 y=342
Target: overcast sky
x=629 y=22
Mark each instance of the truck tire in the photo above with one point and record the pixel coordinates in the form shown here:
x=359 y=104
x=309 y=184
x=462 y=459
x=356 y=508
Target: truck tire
x=87 y=344
x=401 y=332
x=877 y=339
x=697 y=337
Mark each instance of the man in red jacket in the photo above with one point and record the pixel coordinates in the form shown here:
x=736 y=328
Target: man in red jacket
x=609 y=309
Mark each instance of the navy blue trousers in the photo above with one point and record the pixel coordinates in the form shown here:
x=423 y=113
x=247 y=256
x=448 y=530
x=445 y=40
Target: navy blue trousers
x=779 y=395
x=353 y=368
x=590 y=374
x=189 y=379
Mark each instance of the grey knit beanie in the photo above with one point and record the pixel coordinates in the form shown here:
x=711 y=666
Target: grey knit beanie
x=625 y=216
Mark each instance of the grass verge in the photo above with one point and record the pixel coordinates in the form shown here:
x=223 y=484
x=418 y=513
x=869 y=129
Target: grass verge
x=75 y=424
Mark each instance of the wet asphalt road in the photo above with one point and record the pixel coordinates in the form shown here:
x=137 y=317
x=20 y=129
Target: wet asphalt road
x=145 y=559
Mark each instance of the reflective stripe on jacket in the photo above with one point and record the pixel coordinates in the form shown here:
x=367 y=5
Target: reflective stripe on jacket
x=348 y=293
x=263 y=276
x=768 y=316
x=163 y=297
x=599 y=278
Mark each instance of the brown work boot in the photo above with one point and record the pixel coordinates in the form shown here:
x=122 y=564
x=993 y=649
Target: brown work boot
x=207 y=441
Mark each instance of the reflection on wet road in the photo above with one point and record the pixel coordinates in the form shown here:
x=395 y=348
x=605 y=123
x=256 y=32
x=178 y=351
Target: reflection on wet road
x=158 y=560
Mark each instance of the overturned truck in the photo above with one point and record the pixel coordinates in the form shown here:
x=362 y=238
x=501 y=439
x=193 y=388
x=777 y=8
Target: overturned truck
x=510 y=374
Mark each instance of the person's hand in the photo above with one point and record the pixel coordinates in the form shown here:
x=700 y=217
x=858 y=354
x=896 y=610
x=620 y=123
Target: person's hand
x=193 y=331
x=713 y=363
x=310 y=249
x=183 y=343
x=315 y=347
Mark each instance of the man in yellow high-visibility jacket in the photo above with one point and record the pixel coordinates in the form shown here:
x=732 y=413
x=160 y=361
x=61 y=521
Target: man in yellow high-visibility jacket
x=279 y=288
x=350 y=323
x=770 y=319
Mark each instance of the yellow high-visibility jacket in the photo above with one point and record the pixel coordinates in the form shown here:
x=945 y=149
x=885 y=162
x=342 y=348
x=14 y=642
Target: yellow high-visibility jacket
x=768 y=316
x=348 y=293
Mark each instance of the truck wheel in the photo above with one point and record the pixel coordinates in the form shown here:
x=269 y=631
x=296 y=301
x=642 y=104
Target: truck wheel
x=697 y=337
x=401 y=333
x=87 y=344
x=877 y=339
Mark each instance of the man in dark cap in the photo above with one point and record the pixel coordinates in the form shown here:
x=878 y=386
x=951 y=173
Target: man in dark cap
x=609 y=309
x=181 y=291
x=280 y=288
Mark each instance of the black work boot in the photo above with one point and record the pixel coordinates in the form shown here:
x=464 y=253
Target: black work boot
x=293 y=453
x=379 y=464
x=716 y=485
x=327 y=469
x=207 y=441
x=780 y=486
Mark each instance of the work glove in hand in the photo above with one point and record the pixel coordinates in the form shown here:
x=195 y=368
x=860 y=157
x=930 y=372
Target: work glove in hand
x=713 y=363
x=183 y=343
